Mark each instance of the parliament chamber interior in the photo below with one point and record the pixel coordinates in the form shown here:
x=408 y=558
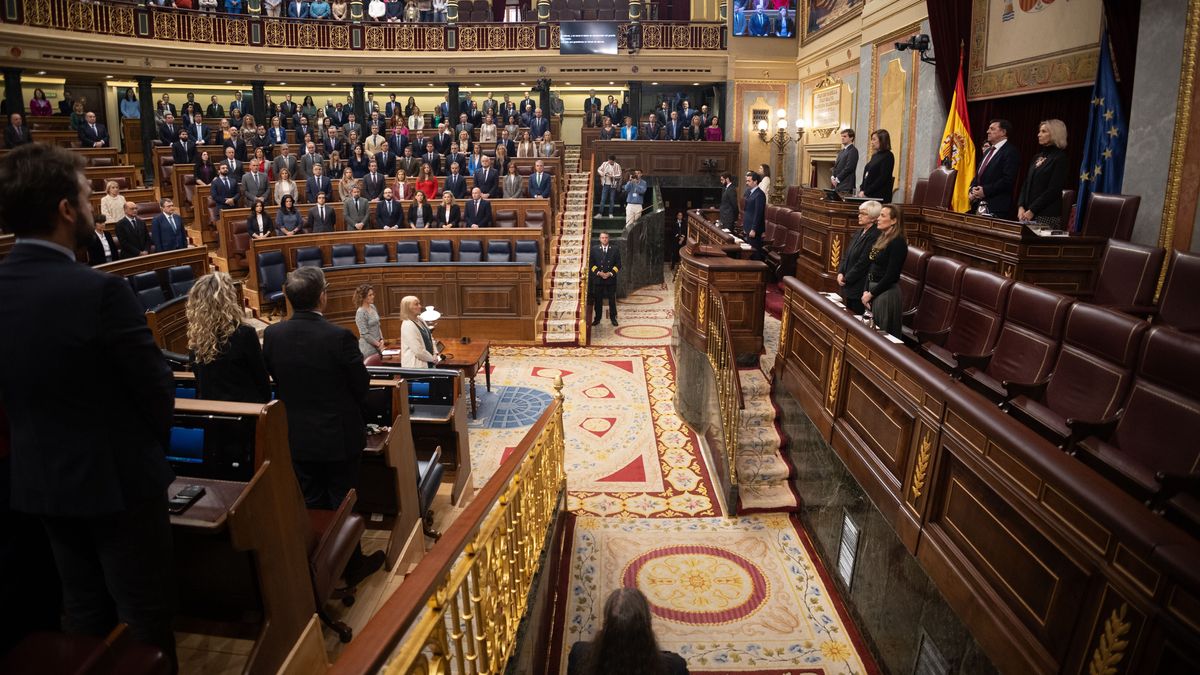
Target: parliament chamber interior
x=593 y=336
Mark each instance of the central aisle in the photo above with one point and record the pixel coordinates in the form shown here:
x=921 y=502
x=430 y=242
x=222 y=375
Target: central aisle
x=743 y=594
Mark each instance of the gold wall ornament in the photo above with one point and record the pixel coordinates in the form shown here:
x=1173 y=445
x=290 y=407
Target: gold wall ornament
x=1111 y=648
x=1179 y=147
x=165 y=26
x=81 y=17
x=37 y=13
x=406 y=38
x=785 y=325
x=435 y=40
x=835 y=372
x=306 y=35
x=835 y=253
x=375 y=37
x=497 y=39
x=922 y=465
x=710 y=37
x=121 y=20
x=339 y=36
x=237 y=32
x=652 y=37
x=682 y=37
x=701 y=304
x=275 y=33
x=526 y=36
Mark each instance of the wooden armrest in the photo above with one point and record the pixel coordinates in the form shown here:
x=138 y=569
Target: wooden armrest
x=1031 y=389
x=1081 y=429
x=936 y=337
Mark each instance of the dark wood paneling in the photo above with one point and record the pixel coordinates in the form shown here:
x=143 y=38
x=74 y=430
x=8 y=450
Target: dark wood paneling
x=670 y=158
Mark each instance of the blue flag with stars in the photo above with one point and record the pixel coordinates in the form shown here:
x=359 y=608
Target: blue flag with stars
x=1103 y=166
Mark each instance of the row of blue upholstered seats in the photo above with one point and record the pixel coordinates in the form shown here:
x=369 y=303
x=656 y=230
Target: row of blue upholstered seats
x=154 y=289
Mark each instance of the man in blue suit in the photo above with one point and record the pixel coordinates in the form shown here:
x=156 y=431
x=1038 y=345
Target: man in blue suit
x=225 y=190
x=539 y=181
x=754 y=215
x=297 y=9
x=167 y=229
x=479 y=210
x=456 y=182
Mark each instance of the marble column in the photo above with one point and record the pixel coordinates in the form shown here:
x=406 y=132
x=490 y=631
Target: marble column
x=1152 y=120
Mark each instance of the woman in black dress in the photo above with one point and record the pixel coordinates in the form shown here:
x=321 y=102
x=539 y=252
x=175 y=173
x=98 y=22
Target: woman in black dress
x=258 y=223
x=626 y=643
x=878 y=182
x=887 y=259
x=852 y=272
x=1041 y=196
x=226 y=355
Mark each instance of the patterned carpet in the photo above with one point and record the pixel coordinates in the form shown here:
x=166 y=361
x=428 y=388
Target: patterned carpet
x=628 y=452
x=646 y=317
x=742 y=595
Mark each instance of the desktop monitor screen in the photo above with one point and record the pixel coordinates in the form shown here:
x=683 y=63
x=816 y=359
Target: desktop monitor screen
x=587 y=37
x=764 y=18
x=213 y=446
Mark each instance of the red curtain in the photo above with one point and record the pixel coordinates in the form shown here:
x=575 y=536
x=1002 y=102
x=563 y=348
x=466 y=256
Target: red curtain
x=950 y=26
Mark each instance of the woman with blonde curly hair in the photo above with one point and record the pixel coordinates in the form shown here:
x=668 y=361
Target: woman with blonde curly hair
x=226 y=355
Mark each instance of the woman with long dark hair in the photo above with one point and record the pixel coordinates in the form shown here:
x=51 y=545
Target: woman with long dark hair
x=887 y=259
x=625 y=644
x=878 y=182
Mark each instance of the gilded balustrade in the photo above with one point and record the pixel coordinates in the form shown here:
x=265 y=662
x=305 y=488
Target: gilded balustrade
x=160 y=23
x=460 y=609
x=719 y=350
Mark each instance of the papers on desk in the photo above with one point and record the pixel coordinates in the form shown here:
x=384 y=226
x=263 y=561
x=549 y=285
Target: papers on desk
x=1047 y=232
x=724 y=229
x=891 y=338
x=834 y=298
x=746 y=247
x=391 y=352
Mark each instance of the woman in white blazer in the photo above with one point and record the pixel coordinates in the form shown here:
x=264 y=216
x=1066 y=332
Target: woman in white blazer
x=417 y=348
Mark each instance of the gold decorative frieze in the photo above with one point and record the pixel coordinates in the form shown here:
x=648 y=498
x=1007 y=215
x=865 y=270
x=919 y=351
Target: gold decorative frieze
x=339 y=36
x=1111 y=649
x=835 y=373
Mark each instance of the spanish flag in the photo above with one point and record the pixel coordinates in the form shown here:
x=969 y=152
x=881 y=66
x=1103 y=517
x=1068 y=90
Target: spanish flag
x=958 y=150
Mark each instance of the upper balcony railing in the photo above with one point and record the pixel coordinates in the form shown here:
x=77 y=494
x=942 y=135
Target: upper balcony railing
x=241 y=30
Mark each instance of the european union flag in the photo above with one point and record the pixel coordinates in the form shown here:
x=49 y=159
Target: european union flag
x=1103 y=167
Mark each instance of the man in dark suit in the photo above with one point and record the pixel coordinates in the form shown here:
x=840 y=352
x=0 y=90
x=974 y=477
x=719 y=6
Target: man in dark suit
x=386 y=160
x=675 y=128
x=397 y=142
x=197 y=130
x=728 y=215
x=320 y=378
x=225 y=190
x=612 y=110
x=456 y=182
x=321 y=217
x=16 y=133
x=334 y=142
x=93 y=134
x=183 y=150
x=754 y=217
x=487 y=179
x=592 y=101
x=432 y=158
x=89 y=459
x=373 y=183
x=604 y=265
x=286 y=160
x=479 y=210
x=102 y=248
x=410 y=163
x=389 y=214
x=168 y=131
x=287 y=110
x=317 y=184
x=167 y=228
x=997 y=174
x=539 y=181
x=238 y=146
x=651 y=129
x=846 y=165
x=214 y=110
x=443 y=140
x=131 y=233
x=539 y=125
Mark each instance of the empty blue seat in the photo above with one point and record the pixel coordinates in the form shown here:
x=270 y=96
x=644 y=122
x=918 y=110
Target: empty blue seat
x=373 y=254
x=408 y=252
x=180 y=278
x=499 y=250
x=344 y=254
x=271 y=273
x=440 y=250
x=527 y=252
x=470 y=250
x=148 y=289
x=308 y=256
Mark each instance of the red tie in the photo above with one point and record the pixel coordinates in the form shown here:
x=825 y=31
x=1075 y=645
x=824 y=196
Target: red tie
x=987 y=158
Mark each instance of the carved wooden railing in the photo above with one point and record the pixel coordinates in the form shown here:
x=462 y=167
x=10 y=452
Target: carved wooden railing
x=460 y=609
x=158 y=23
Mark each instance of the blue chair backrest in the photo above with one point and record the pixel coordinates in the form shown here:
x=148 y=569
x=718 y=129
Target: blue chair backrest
x=271 y=272
x=470 y=250
x=527 y=252
x=181 y=278
x=309 y=256
x=440 y=250
x=375 y=253
x=408 y=252
x=148 y=289
x=344 y=254
x=499 y=251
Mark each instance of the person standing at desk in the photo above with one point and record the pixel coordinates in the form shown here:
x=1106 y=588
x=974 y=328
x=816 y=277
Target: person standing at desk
x=754 y=217
x=997 y=173
x=417 y=349
x=846 y=164
x=729 y=203
x=88 y=436
x=320 y=377
x=366 y=318
x=226 y=356
x=877 y=182
x=1041 y=196
x=852 y=272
